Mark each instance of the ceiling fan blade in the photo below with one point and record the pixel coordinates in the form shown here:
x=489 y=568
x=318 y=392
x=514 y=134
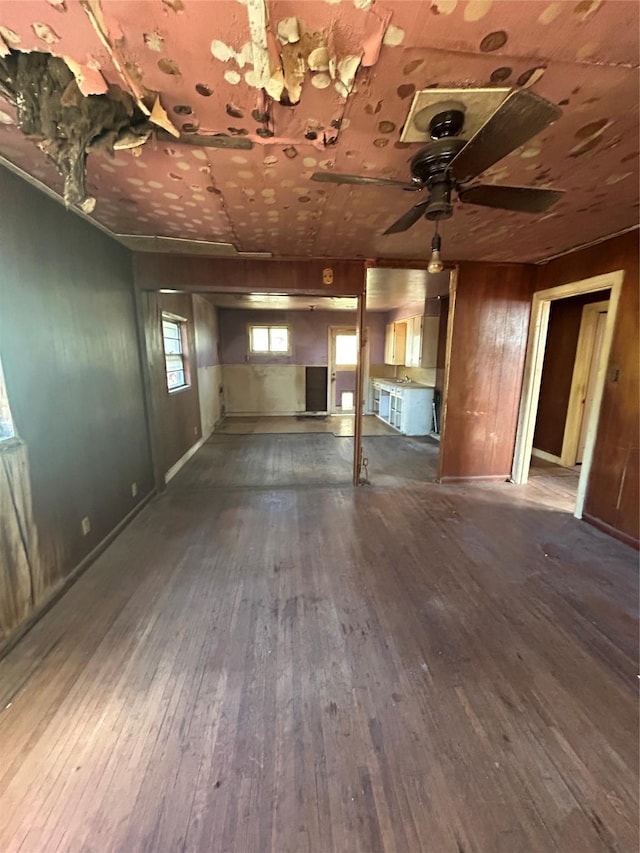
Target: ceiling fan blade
x=408 y=219
x=522 y=115
x=337 y=178
x=207 y=140
x=521 y=199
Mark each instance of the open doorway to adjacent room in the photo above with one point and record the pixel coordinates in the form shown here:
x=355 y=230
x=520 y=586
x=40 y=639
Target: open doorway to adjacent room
x=567 y=356
x=407 y=387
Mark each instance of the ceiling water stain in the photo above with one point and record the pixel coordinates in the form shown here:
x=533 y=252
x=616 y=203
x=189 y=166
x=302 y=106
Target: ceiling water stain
x=530 y=76
x=501 y=74
x=382 y=142
x=410 y=67
x=174 y=5
x=370 y=109
x=493 y=41
x=406 y=90
x=588 y=145
x=290 y=152
x=168 y=66
x=589 y=129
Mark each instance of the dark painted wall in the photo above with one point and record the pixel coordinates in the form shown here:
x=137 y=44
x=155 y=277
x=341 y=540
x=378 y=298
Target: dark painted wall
x=565 y=318
x=69 y=347
x=489 y=341
x=176 y=416
x=614 y=484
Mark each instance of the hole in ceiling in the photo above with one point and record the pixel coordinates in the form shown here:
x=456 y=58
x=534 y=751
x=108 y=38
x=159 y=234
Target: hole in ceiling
x=182 y=110
x=233 y=111
x=204 y=90
x=190 y=127
x=261 y=116
x=264 y=132
x=311 y=134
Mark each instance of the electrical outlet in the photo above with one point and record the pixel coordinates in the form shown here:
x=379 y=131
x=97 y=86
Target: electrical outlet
x=134 y=489
x=86 y=525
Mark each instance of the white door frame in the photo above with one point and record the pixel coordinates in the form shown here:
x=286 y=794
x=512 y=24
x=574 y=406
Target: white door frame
x=536 y=343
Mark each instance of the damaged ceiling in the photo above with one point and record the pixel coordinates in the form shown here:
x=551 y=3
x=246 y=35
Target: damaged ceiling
x=204 y=121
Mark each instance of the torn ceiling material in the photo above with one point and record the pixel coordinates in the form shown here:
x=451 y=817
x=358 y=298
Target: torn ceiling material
x=52 y=109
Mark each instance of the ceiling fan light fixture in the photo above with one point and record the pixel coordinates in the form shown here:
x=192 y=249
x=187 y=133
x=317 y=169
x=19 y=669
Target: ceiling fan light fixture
x=435 y=263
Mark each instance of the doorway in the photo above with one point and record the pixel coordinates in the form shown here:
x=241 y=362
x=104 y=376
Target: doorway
x=534 y=361
x=343 y=357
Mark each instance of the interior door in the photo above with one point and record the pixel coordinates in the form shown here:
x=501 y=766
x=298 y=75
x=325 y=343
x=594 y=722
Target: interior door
x=343 y=356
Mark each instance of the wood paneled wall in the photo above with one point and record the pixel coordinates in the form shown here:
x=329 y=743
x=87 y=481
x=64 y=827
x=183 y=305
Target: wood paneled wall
x=176 y=423
x=222 y=275
x=612 y=493
x=489 y=339
x=69 y=345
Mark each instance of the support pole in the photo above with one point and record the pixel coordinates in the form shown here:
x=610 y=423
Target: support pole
x=359 y=401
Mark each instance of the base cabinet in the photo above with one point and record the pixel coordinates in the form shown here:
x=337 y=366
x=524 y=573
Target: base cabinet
x=407 y=408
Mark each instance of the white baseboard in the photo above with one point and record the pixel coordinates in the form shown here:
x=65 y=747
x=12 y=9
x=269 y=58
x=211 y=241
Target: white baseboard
x=548 y=457
x=171 y=473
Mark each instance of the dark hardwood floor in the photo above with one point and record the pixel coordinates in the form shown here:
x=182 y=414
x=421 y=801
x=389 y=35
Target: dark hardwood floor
x=283 y=667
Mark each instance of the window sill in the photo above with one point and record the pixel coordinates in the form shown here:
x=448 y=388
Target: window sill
x=180 y=390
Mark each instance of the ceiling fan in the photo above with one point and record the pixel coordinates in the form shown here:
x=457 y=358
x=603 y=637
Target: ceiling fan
x=448 y=163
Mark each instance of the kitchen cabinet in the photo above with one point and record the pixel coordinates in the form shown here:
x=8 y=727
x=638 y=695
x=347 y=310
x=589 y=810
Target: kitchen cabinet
x=422 y=341
x=395 y=343
x=406 y=407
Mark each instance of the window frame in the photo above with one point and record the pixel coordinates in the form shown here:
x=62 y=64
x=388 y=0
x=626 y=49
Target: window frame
x=271 y=353
x=181 y=324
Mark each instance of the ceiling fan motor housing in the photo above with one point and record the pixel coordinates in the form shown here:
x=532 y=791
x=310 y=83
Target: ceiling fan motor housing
x=432 y=161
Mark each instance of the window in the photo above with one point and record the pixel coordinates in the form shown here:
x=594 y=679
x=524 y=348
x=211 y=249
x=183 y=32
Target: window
x=173 y=330
x=6 y=421
x=274 y=340
x=346 y=349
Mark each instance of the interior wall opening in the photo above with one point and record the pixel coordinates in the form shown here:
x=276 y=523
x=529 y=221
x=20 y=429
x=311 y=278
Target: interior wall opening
x=570 y=337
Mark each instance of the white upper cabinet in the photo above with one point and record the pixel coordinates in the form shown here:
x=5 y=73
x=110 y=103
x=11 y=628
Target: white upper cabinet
x=422 y=341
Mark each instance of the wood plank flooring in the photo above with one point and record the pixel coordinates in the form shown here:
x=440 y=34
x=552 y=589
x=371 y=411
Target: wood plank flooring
x=342 y=425
x=311 y=668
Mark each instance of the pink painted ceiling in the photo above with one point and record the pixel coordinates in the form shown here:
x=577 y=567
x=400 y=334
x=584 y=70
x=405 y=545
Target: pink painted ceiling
x=217 y=68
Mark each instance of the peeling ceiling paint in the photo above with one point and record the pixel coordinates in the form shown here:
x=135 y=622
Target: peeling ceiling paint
x=326 y=85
